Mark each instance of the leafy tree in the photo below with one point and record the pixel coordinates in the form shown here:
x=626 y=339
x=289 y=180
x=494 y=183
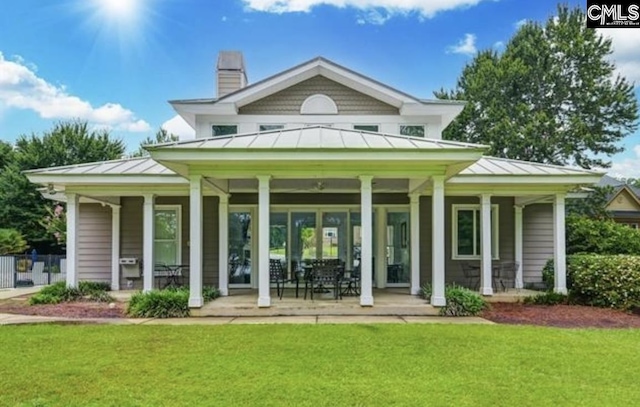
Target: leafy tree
x=6 y=154
x=21 y=205
x=162 y=136
x=12 y=242
x=552 y=96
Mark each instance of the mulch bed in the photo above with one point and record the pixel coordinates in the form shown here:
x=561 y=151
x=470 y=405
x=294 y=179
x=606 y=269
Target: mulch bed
x=563 y=316
x=66 y=310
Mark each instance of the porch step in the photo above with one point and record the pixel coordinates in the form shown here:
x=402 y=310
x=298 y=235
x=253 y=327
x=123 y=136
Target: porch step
x=211 y=310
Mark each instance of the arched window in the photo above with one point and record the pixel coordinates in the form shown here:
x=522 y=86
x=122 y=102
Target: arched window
x=319 y=104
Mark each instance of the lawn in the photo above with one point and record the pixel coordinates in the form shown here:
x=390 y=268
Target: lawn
x=317 y=365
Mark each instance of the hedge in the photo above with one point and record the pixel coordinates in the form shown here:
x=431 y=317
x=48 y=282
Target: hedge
x=585 y=235
x=602 y=281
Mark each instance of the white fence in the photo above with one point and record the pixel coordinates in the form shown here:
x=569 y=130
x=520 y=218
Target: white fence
x=20 y=271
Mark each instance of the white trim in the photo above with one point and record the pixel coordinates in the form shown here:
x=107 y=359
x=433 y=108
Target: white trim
x=73 y=219
x=437 y=243
x=115 y=247
x=264 y=295
x=495 y=236
x=559 y=245
x=223 y=245
x=518 y=245
x=195 y=241
x=486 y=277
x=318 y=104
x=414 y=220
x=178 y=240
x=366 y=251
x=148 y=235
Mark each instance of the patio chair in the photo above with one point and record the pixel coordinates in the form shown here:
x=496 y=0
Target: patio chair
x=276 y=275
x=471 y=273
x=325 y=273
x=508 y=270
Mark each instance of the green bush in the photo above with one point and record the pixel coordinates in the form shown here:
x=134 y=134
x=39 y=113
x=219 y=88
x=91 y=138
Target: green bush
x=548 y=298
x=11 y=242
x=585 y=235
x=172 y=302
x=159 y=304
x=425 y=291
x=462 y=302
x=59 y=292
x=548 y=274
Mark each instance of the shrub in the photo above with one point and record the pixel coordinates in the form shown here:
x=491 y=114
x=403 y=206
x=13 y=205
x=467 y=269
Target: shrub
x=606 y=281
x=548 y=275
x=462 y=302
x=585 y=235
x=210 y=293
x=55 y=294
x=88 y=287
x=159 y=304
x=12 y=241
x=549 y=298
x=425 y=291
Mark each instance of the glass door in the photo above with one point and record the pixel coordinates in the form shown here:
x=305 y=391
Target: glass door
x=240 y=248
x=334 y=235
x=278 y=235
x=303 y=239
x=398 y=243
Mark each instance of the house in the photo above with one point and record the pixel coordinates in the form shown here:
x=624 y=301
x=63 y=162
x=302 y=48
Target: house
x=623 y=203
x=317 y=161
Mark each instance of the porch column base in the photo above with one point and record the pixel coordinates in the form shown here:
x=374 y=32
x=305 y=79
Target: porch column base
x=559 y=290
x=264 y=302
x=438 y=301
x=486 y=290
x=366 y=301
x=195 y=302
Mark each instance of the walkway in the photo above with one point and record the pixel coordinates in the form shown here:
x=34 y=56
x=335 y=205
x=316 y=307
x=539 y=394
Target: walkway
x=15 y=319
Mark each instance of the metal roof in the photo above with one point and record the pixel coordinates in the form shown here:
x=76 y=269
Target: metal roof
x=316 y=137
x=126 y=166
x=503 y=166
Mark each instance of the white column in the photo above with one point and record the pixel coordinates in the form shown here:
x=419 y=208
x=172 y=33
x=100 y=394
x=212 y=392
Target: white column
x=366 y=252
x=381 y=248
x=559 y=246
x=264 y=296
x=223 y=244
x=414 y=219
x=195 y=241
x=73 y=214
x=115 y=248
x=486 y=286
x=518 y=246
x=438 y=254
x=148 y=234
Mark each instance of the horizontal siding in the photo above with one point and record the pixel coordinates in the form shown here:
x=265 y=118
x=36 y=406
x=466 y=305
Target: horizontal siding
x=228 y=82
x=94 y=243
x=131 y=234
x=289 y=101
x=537 y=240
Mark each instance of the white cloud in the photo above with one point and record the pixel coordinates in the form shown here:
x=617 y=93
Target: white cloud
x=520 y=23
x=625 y=43
x=628 y=167
x=373 y=16
x=21 y=88
x=179 y=127
x=425 y=8
x=498 y=45
x=466 y=46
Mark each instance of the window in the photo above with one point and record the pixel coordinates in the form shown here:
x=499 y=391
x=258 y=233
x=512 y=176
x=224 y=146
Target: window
x=167 y=238
x=223 y=130
x=412 y=130
x=366 y=127
x=467 y=232
x=267 y=127
x=633 y=225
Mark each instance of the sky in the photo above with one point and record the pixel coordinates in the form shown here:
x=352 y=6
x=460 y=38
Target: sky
x=116 y=63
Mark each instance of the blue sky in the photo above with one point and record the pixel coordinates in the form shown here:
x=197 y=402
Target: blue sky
x=115 y=63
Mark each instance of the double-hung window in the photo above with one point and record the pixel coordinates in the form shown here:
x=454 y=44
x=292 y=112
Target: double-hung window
x=467 y=232
x=167 y=235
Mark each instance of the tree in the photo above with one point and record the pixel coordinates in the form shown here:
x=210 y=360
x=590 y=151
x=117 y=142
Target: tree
x=12 y=242
x=594 y=205
x=552 y=96
x=162 y=136
x=6 y=154
x=21 y=205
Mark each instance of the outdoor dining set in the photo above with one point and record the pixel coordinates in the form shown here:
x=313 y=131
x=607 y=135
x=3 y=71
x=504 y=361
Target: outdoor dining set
x=318 y=276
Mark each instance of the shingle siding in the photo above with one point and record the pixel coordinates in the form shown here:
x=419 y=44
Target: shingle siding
x=289 y=101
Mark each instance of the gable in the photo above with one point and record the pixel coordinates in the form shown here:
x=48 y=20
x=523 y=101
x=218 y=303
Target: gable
x=623 y=201
x=289 y=101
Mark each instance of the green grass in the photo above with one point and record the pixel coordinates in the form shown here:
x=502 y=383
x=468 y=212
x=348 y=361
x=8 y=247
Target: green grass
x=317 y=365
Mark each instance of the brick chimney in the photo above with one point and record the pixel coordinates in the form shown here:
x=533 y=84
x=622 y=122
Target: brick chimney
x=230 y=72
